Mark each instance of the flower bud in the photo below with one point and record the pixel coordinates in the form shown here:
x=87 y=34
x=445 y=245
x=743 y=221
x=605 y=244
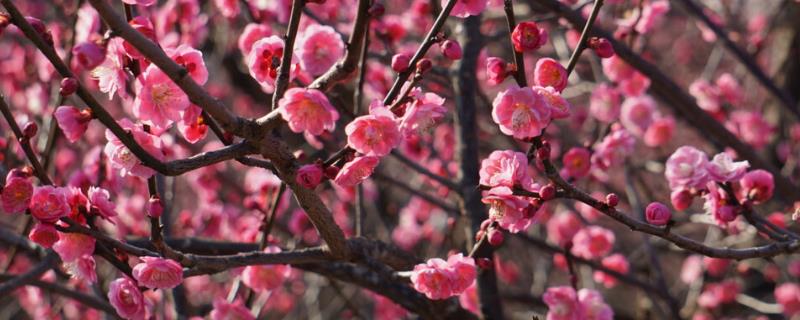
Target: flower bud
x=309 y=176
x=68 y=86
x=331 y=172
x=528 y=37
x=547 y=192
x=657 y=214
x=496 y=237
x=30 y=129
x=496 y=70
x=612 y=200
x=424 y=65
x=400 y=62
x=681 y=199
x=451 y=49
x=154 y=207
x=601 y=46
x=485 y=224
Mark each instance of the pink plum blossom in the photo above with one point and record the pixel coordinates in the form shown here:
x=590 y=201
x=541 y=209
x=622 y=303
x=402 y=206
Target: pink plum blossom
x=722 y=168
x=266 y=277
x=439 y=279
x=353 y=172
x=159 y=101
x=604 y=103
x=48 y=204
x=527 y=36
x=320 y=47
x=507 y=209
x=615 y=262
x=496 y=70
x=71 y=246
x=82 y=268
x=100 y=199
x=657 y=214
x=550 y=73
x=505 y=168
x=562 y=227
x=123 y=159
x=190 y=59
x=16 y=194
x=422 y=114
x=613 y=149
x=158 y=273
x=637 y=114
x=111 y=75
x=264 y=60
x=577 y=162
x=375 y=134
x=562 y=303
x=125 y=297
x=73 y=121
x=757 y=185
x=687 y=167
x=592 y=242
x=559 y=107
x=659 y=132
x=466 y=8
x=252 y=33
x=224 y=310
x=788 y=296
x=45 y=234
x=520 y=112
x=307 y=110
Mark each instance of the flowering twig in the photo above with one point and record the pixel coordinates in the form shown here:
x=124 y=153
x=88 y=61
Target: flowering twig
x=282 y=80
x=587 y=27
x=519 y=59
x=85 y=299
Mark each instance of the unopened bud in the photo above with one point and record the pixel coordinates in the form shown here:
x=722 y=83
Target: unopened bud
x=68 y=86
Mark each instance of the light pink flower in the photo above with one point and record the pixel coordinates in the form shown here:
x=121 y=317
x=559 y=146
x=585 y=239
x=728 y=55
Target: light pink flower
x=82 y=268
x=559 y=107
x=562 y=303
x=577 y=162
x=100 y=199
x=228 y=8
x=550 y=73
x=659 y=132
x=140 y=2
x=657 y=214
x=692 y=269
x=722 y=168
x=45 y=234
x=613 y=149
x=422 y=114
x=651 y=15
x=615 y=262
x=716 y=266
x=592 y=242
x=145 y=27
x=616 y=69
x=308 y=110
x=719 y=205
x=16 y=194
x=788 y=296
x=264 y=61
x=466 y=8
x=159 y=101
x=111 y=74
x=125 y=297
x=528 y=37
x=687 y=168
x=706 y=95
x=192 y=125
x=73 y=121
x=681 y=199
x=496 y=70
x=505 y=168
x=48 y=204
x=192 y=60
x=637 y=114
x=158 y=273
x=520 y=112
x=729 y=88
x=439 y=279
x=123 y=159
x=71 y=246
x=751 y=127
x=716 y=294
x=593 y=305
x=562 y=227
x=375 y=134
x=469 y=300
x=507 y=209
x=604 y=103
x=757 y=185
x=353 y=172
x=320 y=47
x=252 y=33
x=88 y=54
x=266 y=277
x=224 y=310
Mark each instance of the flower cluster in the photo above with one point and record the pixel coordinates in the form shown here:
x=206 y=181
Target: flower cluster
x=439 y=279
